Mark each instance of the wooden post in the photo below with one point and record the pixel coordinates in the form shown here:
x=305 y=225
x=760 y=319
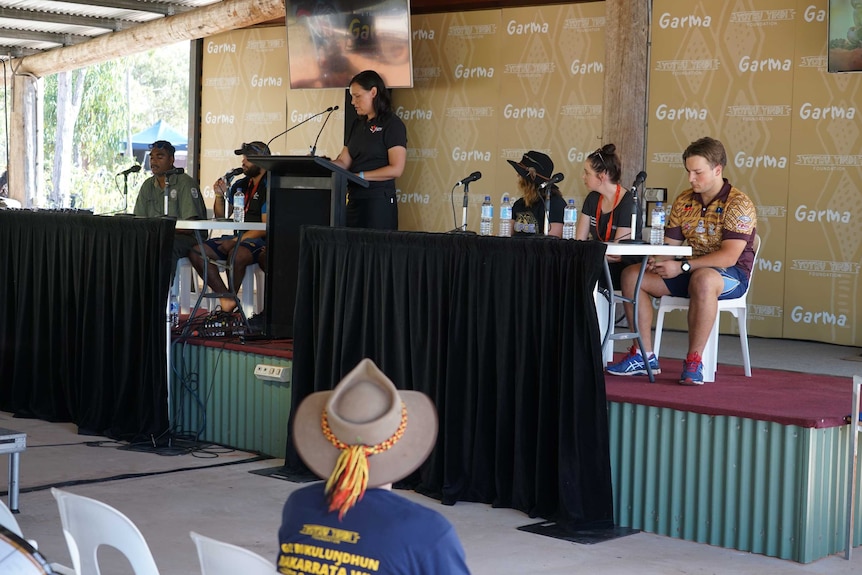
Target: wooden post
x=626 y=61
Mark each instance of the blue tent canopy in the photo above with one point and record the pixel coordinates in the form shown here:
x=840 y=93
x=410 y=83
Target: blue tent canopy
x=159 y=131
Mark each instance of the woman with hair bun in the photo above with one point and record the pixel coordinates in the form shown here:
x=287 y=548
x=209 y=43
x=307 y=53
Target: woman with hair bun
x=606 y=214
x=375 y=150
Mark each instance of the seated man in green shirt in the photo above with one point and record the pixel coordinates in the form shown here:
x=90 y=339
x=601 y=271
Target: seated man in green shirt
x=185 y=201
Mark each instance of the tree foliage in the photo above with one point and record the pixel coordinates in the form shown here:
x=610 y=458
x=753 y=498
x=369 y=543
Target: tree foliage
x=121 y=97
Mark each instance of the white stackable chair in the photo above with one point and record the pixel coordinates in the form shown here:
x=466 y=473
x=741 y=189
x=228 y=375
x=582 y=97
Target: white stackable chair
x=738 y=307
x=251 y=290
x=219 y=558
x=88 y=524
x=184 y=278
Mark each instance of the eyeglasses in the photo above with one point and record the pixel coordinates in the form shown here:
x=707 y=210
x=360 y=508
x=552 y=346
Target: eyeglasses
x=598 y=153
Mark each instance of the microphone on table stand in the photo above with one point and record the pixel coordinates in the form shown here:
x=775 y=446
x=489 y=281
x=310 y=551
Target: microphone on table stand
x=314 y=147
x=635 y=237
x=471 y=178
x=466 y=183
x=546 y=186
x=125 y=174
x=132 y=170
x=174 y=172
x=555 y=179
x=329 y=109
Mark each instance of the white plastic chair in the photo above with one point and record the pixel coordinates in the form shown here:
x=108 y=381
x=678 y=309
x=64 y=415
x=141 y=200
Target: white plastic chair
x=8 y=521
x=89 y=524
x=251 y=290
x=219 y=558
x=738 y=307
x=184 y=278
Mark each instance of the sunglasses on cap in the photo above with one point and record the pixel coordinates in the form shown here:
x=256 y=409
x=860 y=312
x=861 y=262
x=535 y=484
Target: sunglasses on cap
x=162 y=145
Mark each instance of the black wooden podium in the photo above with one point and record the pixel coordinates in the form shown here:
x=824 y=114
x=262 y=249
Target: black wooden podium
x=302 y=190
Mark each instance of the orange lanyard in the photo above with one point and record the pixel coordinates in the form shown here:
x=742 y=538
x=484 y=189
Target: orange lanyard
x=610 y=220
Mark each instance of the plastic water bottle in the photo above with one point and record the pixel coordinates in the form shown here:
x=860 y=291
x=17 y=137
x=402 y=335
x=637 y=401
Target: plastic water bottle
x=174 y=311
x=505 y=217
x=570 y=220
x=487 y=224
x=656 y=236
x=239 y=206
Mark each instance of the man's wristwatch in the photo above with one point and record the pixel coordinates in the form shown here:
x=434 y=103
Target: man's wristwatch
x=685 y=266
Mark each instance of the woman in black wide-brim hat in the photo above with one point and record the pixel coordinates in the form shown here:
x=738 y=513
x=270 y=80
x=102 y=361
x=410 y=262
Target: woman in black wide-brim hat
x=528 y=212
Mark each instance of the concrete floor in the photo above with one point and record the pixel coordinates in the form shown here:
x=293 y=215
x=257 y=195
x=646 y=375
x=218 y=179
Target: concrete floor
x=214 y=493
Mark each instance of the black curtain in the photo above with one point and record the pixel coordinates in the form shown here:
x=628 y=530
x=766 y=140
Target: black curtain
x=82 y=320
x=500 y=332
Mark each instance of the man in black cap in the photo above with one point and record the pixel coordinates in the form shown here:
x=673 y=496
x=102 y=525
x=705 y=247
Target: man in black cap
x=253 y=187
x=185 y=201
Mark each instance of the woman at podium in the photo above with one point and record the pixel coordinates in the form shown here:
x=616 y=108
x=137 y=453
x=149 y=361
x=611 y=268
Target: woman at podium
x=375 y=150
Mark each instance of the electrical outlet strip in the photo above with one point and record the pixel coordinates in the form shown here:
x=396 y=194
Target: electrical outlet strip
x=272 y=372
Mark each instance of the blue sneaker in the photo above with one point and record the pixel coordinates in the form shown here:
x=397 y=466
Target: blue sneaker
x=692 y=370
x=633 y=364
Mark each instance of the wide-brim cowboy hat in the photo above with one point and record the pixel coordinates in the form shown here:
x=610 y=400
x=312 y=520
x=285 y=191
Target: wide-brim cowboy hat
x=365 y=409
x=534 y=165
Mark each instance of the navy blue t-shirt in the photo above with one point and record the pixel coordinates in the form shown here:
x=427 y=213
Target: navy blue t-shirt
x=384 y=534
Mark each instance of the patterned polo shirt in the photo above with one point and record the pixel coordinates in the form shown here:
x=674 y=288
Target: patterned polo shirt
x=730 y=215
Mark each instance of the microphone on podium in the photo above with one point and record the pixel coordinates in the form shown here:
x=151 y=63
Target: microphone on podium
x=314 y=147
x=329 y=109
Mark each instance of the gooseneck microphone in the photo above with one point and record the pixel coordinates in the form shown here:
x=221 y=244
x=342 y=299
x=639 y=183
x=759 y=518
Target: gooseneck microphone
x=471 y=178
x=174 y=172
x=132 y=170
x=555 y=179
x=329 y=109
x=314 y=147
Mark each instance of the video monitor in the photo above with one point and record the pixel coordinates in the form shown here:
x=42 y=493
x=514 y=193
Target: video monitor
x=845 y=36
x=329 y=42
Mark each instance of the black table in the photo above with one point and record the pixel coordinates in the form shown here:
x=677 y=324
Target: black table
x=82 y=320
x=500 y=332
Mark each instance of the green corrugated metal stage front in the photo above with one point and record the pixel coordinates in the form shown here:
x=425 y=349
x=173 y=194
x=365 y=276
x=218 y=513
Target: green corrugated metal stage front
x=778 y=490
x=736 y=482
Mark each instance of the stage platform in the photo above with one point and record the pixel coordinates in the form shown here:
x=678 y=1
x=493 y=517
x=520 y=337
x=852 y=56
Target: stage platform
x=756 y=464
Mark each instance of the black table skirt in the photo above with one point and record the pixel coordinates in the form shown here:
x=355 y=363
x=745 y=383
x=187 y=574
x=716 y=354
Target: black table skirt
x=82 y=320
x=500 y=332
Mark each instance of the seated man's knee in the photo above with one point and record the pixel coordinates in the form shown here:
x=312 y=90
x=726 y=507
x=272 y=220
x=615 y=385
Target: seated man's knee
x=705 y=283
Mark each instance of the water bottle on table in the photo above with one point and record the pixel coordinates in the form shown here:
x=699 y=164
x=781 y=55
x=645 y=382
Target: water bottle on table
x=570 y=220
x=487 y=223
x=656 y=236
x=239 y=206
x=505 y=217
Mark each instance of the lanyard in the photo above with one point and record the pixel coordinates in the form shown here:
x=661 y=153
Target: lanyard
x=611 y=219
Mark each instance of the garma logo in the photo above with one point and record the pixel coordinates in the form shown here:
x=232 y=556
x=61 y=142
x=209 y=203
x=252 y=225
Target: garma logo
x=666 y=21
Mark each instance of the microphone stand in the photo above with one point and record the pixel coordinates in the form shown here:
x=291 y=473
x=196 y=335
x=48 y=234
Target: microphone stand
x=463 y=227
x=635 y=235
x=547 y=209
x=125 y=193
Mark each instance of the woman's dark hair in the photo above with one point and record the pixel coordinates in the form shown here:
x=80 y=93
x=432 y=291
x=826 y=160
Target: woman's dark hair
x=370 y=79
x=605 y=160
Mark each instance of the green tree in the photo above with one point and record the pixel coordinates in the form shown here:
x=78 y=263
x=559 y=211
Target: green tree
x=110 y=111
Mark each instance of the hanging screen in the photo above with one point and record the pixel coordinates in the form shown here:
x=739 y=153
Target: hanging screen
x=329 y=42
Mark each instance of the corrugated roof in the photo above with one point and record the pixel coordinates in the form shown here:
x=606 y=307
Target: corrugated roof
x=32 y=26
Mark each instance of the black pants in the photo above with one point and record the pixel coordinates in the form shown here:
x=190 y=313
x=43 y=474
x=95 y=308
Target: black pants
x=374 y=213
